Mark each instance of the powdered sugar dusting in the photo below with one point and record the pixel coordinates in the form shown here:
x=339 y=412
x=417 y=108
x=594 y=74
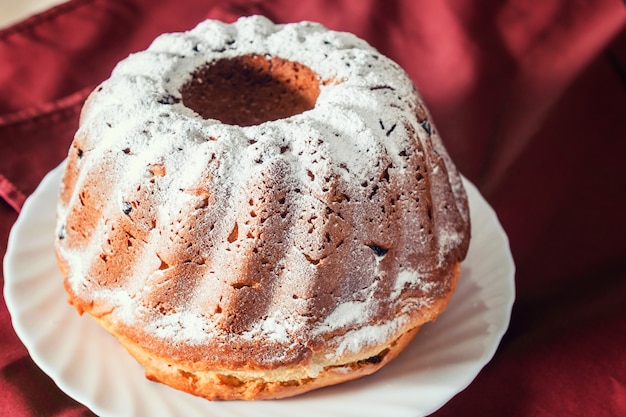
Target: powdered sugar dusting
x=369 y=335
x=410 y=277
x=345 y=314
x=184 y=326
x=168 y=165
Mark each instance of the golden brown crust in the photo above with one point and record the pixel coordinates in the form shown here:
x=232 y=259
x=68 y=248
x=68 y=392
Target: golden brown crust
x=267 y=260
x=233 y=384
x=222 y=385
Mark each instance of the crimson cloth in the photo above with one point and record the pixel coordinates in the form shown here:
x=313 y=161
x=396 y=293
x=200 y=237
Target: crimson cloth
x=530 y=98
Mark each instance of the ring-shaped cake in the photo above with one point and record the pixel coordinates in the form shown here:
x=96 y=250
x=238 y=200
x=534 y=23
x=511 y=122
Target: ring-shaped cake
x=258 y=210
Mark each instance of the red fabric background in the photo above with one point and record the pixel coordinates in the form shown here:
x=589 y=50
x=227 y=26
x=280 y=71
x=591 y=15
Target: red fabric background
x=530 y=98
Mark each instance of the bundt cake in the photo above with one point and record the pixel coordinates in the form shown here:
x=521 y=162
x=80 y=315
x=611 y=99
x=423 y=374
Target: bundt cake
x=257 y=210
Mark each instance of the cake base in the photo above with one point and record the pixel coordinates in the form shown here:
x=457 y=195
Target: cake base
x=285 y=381
x=218 y=384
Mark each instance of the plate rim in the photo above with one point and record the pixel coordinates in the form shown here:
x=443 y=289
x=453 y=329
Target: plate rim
x=50 y=184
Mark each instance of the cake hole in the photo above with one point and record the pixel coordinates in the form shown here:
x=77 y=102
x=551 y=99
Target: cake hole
x=229 y=380
x=385 y=174
x=193 y=378
x=234 y=234
x=240 y=285
x=374 y=191
x=373 y=360
x=311 y=259
x=164 y=265
x=378 y=250
x=251 y=89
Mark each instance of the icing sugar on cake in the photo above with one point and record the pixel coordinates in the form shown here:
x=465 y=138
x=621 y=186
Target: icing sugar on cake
x=333 y=229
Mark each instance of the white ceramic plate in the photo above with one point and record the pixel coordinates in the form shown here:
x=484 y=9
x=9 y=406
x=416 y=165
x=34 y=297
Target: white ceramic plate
x=89 y=365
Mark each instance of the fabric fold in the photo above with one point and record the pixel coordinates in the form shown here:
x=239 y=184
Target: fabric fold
x=33 y=141
x=9 y=193
x=529 y=99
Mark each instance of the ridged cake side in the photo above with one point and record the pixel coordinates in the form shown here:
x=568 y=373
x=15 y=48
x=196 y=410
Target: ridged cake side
x=333 y=230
